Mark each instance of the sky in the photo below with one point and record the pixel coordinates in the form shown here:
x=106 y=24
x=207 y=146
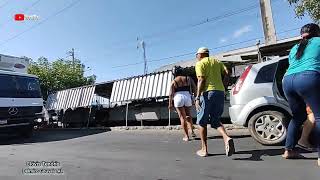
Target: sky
x=105 y=33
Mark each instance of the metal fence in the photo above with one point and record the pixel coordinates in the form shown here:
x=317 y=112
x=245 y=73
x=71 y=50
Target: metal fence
x=71 y=98
x=149 y=86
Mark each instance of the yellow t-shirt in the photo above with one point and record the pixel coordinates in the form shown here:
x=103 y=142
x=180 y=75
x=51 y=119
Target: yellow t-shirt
x=212 y=70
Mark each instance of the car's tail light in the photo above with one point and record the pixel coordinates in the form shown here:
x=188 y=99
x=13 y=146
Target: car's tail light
x=241 y=80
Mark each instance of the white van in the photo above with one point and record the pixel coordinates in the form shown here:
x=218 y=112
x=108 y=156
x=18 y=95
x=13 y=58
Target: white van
x=20 y=101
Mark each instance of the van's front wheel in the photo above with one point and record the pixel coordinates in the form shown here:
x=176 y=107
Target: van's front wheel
x=268 y=127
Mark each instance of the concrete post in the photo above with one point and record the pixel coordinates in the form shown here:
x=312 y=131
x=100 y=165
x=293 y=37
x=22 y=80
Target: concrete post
x=267 y=21
x=89 y=117
x=169 y=117
x=127 y=109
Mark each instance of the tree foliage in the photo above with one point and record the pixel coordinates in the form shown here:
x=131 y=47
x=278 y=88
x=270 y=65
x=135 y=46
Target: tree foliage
x=311 y=7
x=59 y=74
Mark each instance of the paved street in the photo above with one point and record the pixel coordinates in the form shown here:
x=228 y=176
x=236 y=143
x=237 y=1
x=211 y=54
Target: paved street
x=137 y=155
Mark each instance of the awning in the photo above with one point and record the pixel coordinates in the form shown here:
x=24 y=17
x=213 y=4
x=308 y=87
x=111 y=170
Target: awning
x=155 y=85
x=71 y=98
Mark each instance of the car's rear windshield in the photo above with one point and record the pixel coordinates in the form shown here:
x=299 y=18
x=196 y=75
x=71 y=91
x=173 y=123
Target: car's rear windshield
x=266 y=74
x=19 y=86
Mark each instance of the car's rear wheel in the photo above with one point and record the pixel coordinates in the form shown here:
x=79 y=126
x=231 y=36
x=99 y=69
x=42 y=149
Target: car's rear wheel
x=268 y=127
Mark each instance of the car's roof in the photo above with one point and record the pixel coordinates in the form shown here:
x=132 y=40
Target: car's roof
x=271 y=61
x=17 y=73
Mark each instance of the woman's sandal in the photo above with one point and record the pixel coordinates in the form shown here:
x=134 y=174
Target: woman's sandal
x=230 y=148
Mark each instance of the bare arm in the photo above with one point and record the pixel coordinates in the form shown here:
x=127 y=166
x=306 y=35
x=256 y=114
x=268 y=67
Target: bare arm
x=226 y=77
x=193 y=86
x=201 y=81
x=172 y=91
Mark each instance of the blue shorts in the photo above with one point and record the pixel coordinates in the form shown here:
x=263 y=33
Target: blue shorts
x=211 y=109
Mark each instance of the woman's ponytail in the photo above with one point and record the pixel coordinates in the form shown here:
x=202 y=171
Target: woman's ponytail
x=307 y=32
x=302 y=46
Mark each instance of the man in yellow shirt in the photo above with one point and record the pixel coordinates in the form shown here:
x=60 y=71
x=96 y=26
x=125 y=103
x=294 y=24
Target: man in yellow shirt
x=210 y=99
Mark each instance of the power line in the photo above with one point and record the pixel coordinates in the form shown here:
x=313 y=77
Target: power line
x=202 y=22
x=181 y=55
x=32 y=5
x=41 y=22
x=285 y=31
x=218 y=47
x=190 y=53
x=208 y=20
x=125 y=65
x=4 y=4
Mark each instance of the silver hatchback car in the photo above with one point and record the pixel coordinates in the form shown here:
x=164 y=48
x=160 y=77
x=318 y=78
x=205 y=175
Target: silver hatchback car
x=257 y=101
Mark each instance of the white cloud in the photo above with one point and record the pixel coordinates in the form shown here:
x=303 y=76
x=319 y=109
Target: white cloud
x=242 y=30
x=223 y=40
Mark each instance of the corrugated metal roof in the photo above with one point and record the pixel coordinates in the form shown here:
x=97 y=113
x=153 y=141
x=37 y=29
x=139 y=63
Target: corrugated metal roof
x=71 y=98
x=98 y=100
x=149 y=86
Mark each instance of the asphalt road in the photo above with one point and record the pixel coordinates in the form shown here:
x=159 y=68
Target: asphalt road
x=138 y=155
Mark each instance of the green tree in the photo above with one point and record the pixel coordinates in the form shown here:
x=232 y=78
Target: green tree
x=311 y=7
x=59 y=74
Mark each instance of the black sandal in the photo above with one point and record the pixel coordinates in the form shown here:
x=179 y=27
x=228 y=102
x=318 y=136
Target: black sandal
x=230 y=148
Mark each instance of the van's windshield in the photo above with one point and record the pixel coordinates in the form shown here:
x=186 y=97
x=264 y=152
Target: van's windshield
x=19 y=87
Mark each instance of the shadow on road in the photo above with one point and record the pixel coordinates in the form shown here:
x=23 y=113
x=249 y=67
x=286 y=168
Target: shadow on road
x=219 y=137
x=48 y=136
x=256 y=155
x=212 y=155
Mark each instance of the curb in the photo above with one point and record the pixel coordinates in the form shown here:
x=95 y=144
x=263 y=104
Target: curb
x=135 y=128
x=240 y=132
x=171 y=128
x=232 y=130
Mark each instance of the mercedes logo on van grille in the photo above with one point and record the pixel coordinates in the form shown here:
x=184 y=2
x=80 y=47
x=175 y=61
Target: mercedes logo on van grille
x=13 y=111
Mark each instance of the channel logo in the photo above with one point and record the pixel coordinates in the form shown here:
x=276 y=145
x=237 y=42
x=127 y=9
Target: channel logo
x=23 y=17
x=19 y=17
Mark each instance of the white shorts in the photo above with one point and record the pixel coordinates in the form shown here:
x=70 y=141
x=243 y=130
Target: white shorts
x=182 y=99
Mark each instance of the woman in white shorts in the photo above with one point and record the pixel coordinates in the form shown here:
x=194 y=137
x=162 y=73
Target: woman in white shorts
x=182 y=88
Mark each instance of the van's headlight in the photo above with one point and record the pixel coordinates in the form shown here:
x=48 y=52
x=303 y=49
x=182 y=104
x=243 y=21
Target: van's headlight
x=39 y=120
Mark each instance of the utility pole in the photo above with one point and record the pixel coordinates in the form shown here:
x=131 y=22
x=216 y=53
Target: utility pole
x=143 y=46
x=259 y=53
x=267 y=21
x=71 y=53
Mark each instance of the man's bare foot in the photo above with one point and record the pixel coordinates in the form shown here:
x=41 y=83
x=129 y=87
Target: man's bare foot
x=292 y=155
x=202 y=153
